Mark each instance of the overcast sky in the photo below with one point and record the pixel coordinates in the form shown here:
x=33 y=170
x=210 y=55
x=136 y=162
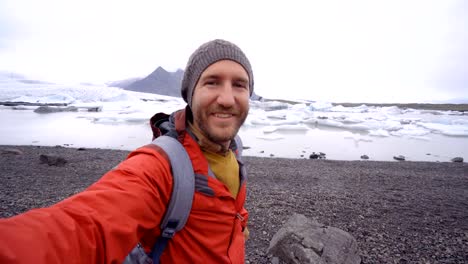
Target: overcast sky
x=359 y=51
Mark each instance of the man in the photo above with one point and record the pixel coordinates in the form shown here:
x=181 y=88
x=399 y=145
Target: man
x=103 y=223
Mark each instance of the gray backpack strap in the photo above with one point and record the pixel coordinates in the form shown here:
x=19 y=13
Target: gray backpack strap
x=183 y=184
x=180 y=203
x=239 y=145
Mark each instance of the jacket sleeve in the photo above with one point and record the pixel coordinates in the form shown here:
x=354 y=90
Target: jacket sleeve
x=99 y=225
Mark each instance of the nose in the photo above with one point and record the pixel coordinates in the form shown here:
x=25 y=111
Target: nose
x=226 y=95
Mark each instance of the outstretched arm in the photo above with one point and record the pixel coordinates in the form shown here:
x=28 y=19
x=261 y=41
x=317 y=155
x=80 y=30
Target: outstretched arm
x=99 y=225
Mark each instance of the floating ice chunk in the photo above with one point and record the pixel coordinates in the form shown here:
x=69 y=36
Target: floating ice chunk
x=463 y=122
x=406 y=121
x=361 y=109
x=448 y=130
x=446 y=120
x=108 y=120
x=299 y=127
x=379 y=133
x=323 y=122
x=273 y=105
x=392 y=110
x=339 y=108
x=129 y=111
x=320 y=106
x=349 y=120
x=279 y=114
x=411 y=130
x=136 y=119
x=20 y=107
x=270 y=137
x=357 y=109
x=458 y=113
x=299 y=107
x=391 y=125
x=119 y=97
x=269 y=129
x=420 y=138
x=260 y=122
x=90 y=107
x=284 y=122
x=432 y=112
x=456 y=133
x=47 y=99
x=357 y=127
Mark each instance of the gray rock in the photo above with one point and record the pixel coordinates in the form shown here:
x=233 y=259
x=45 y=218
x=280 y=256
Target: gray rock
x=52 y=109
x=302 y=240
x=457 y=159
x=275 y=260
x=399 y=158
x=364 y=157
x=314 y=156
x=319 y=155
x=52 y=160
x=94 y=108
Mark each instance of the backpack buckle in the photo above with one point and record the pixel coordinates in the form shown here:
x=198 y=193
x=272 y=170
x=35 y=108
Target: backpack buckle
x=168 y=232
x=170 y=229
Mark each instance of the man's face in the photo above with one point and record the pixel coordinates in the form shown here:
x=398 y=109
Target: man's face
x=220 y=101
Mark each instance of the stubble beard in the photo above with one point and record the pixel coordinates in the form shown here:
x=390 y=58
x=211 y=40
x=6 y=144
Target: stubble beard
x=222 y=135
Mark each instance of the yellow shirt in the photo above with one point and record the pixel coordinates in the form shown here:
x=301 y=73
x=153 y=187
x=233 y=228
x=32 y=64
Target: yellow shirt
x=222 y=161
x=226 y=169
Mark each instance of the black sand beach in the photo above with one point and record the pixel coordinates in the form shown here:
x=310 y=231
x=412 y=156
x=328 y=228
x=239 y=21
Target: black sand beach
x=399 y=212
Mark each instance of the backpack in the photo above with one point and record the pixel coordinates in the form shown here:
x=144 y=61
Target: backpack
x=180 y=203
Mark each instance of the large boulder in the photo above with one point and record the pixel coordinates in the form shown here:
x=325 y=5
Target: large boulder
x=302 y=240
x=52 y=160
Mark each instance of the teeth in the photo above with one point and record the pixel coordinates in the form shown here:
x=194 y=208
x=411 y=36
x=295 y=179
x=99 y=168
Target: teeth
x=223 y=115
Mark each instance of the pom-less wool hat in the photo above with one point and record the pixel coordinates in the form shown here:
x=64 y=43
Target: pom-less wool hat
x=207 y=54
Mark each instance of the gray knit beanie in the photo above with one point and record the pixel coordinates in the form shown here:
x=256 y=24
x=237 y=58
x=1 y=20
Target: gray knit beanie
x=206 y=55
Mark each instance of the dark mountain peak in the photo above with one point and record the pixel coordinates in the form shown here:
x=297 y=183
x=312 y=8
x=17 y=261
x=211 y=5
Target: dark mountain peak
x=160 y=70
x=161 y=82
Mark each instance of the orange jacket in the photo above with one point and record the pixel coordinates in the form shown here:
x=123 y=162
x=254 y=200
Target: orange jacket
x=103 y=223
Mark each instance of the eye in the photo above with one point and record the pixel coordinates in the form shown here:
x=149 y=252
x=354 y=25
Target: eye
x=240 y=85
x=211 y=82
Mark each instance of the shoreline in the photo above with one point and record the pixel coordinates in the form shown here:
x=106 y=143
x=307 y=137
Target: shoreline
x=399 y=212
x=270 y=154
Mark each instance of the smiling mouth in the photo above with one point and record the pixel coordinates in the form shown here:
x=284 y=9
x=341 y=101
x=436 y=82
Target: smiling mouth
x=222 y=115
